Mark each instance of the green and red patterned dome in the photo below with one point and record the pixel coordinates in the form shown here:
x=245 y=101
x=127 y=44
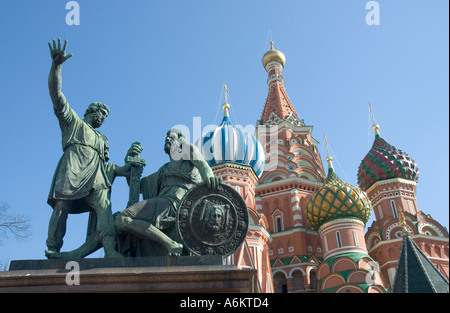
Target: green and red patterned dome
x=337 y=199
x=385 y=162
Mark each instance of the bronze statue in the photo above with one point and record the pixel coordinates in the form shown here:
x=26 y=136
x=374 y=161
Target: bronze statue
x=185 y=208
x=82 y=180
x=154 y=218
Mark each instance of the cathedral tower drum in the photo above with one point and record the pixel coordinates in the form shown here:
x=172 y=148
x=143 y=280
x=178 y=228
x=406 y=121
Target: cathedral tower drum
x=339 y=211
x=293 y=171
x=237 y=157
x=389 y=176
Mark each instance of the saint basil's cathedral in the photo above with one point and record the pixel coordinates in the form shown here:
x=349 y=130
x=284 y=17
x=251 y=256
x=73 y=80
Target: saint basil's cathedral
x=306 y=232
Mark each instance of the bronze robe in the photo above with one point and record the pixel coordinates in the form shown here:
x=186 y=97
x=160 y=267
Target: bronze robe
x=82 y=167
x=168 y=184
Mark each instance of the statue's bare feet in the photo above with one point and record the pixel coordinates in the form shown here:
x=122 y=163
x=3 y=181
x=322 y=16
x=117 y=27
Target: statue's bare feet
x=52 y=254
x=175 y=249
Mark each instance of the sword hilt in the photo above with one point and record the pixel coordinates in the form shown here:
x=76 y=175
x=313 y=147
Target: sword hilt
x=137 y=164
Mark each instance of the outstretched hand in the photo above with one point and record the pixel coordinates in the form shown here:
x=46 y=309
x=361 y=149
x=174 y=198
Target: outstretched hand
x=57 y=53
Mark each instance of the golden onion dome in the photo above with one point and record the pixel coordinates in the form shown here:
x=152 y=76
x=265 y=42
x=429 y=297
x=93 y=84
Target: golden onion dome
x=273 y=55
x=337 y=199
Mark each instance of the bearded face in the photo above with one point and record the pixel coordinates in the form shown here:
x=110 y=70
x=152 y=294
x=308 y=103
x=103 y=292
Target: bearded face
x=169 y=143
x=215 y=220
x=173 y=142
x=98 y=117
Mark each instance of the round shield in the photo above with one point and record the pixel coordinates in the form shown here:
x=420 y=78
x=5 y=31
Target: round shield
x=212 y=222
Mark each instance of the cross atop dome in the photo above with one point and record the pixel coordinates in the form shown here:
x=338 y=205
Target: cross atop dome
x=329 y=158
x=226 y=105
x=375 y=126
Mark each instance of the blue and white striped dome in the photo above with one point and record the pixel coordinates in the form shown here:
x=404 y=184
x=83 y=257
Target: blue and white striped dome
x=229 y=143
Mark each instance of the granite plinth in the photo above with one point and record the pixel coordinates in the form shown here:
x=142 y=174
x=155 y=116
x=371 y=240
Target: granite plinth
x=146 y=274
x=86 y=264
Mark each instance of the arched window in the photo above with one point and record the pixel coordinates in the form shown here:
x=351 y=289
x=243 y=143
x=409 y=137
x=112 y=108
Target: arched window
x=313 y=279
x=279 y=283
x=297 y=281
x=278 y=225
x=380 y=212
x=338 y=238
x=355 y=238
x=394 y=209
x=411 y=210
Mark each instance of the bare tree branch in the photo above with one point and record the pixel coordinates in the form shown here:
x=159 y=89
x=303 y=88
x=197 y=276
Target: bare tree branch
x=16 y=224
x=4 y=265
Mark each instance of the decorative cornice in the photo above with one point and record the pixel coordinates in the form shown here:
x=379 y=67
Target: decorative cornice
x=293 y=182
x=390 y=181
x=259 y=228
x=390 y=241
x=294 y=230
x=340 y=221
x=235 y=166
x=296 y=129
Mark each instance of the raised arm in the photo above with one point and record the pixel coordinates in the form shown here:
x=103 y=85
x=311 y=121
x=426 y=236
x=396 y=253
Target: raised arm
x=58 y=56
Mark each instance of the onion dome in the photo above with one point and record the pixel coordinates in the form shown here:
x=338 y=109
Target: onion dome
x=337 y=199
x=384 y=162
x=233 y=144
x=273 y=55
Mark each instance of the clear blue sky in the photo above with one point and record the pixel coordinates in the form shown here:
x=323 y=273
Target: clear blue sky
x=157 y=64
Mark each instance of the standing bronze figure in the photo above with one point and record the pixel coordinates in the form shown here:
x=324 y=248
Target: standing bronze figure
x=82 y=180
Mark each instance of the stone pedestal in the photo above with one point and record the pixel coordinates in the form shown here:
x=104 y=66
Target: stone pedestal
x=199 y=274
